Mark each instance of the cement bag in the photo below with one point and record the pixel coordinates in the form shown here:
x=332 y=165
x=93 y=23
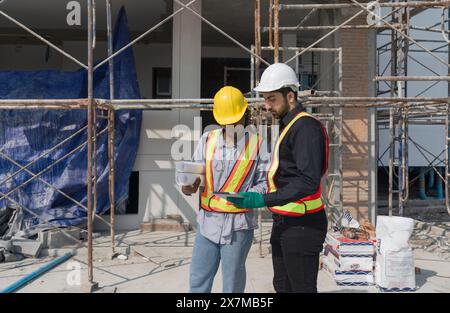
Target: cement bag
x=186 y=179
x=190 y=167
x=394 y=270
x=394 y=232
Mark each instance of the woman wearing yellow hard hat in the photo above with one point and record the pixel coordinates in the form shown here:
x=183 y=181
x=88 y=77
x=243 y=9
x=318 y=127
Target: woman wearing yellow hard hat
x=233 y=162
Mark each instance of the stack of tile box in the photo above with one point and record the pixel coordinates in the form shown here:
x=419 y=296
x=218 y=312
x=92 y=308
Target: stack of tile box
x=350 y=262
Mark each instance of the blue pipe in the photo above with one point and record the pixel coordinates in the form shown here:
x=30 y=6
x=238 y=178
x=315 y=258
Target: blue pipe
x=24 y=280
x=422 y=193
x=439 y=189
x=431 y=179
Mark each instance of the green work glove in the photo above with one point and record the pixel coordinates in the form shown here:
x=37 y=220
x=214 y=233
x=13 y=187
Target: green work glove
x=251 y=200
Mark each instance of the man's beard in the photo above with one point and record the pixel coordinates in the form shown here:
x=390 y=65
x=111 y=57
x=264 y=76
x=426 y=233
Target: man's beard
x=285 y=111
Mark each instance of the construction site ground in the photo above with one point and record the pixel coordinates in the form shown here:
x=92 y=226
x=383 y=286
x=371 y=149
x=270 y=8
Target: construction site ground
x=159 y=262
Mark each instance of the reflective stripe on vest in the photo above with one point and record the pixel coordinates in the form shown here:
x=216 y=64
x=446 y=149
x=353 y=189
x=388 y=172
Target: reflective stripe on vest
x=236 y=178
x=309 y=204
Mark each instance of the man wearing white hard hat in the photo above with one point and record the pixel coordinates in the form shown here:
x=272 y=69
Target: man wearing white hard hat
x=299 y=161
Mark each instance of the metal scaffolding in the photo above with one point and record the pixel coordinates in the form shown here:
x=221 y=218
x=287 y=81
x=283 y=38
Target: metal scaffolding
x=397 y=108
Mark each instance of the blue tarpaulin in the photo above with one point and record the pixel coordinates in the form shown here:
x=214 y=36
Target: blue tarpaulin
x=28 y=134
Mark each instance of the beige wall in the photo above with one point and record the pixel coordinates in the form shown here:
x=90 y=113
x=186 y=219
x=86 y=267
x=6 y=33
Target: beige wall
x=355 y=128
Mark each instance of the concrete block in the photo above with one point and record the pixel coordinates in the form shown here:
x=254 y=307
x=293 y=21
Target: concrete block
x=12 y=257
x=55 y=239
x=5 y=244
x=27 y=247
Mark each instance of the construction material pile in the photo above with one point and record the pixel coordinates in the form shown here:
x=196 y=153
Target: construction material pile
x=360 y=255
x=349 y=252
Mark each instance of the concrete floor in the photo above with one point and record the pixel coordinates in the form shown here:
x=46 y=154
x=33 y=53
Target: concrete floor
x=172 y=252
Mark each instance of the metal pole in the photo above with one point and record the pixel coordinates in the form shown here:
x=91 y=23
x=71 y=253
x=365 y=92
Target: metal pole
x=90 y=284
x=411 y=78
x=327 y=6
x=405 y=52
x=270 y=23
x=306 y=18
x=302 y=48
x=111 y=129
x=257 y=39
x=94 y=158
x=252 y=72
x=327 y=27
x=391 y=122
x=276 y=38
x=340 y=129
x=447 y=125
x=111 y=156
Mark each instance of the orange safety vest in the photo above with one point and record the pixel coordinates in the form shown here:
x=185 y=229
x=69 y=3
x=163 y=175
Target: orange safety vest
x=309 y=204
x=210 y=202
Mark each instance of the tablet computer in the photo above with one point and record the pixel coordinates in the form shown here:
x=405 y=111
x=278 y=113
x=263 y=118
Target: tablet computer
x=227 y=194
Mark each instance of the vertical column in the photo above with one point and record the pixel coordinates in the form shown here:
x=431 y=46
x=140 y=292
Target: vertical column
x=186 y=78
x=373 y=131
x=355 y=130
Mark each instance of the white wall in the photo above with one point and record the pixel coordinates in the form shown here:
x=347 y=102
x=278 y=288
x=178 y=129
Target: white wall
x=28 y=57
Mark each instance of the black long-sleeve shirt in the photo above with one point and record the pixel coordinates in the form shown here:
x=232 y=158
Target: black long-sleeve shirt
x=302 y=156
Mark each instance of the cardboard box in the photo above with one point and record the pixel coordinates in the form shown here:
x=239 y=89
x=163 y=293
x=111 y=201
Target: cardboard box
x=347 y=278
x=350 y=262
x=343 y=245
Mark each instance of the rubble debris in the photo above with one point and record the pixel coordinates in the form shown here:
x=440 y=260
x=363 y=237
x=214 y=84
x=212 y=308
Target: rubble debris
x=12 y=257
x=27 y=247
x=433 y=237
x=368 y=227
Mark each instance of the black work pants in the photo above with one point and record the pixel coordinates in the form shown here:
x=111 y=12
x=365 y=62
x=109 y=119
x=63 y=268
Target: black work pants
x=296 y=248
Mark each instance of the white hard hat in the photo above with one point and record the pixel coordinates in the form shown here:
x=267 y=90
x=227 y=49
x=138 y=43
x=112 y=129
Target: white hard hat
x=277 y=76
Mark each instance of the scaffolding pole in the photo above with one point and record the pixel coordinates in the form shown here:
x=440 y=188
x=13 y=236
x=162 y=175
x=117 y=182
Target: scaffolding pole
x=91 y=285
x=328 y=6
x=111 y=127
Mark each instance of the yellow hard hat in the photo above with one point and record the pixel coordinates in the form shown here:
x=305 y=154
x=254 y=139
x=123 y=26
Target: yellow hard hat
x=229 y=105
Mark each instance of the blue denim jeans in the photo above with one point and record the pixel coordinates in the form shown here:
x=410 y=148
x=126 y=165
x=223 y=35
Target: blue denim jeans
x=207 y=256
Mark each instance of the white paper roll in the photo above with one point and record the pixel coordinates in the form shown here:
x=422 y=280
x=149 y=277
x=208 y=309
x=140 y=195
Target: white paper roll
x=190 y=167
x=186 y=179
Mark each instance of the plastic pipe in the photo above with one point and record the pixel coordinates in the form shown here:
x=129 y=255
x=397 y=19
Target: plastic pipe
x=24 y=280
